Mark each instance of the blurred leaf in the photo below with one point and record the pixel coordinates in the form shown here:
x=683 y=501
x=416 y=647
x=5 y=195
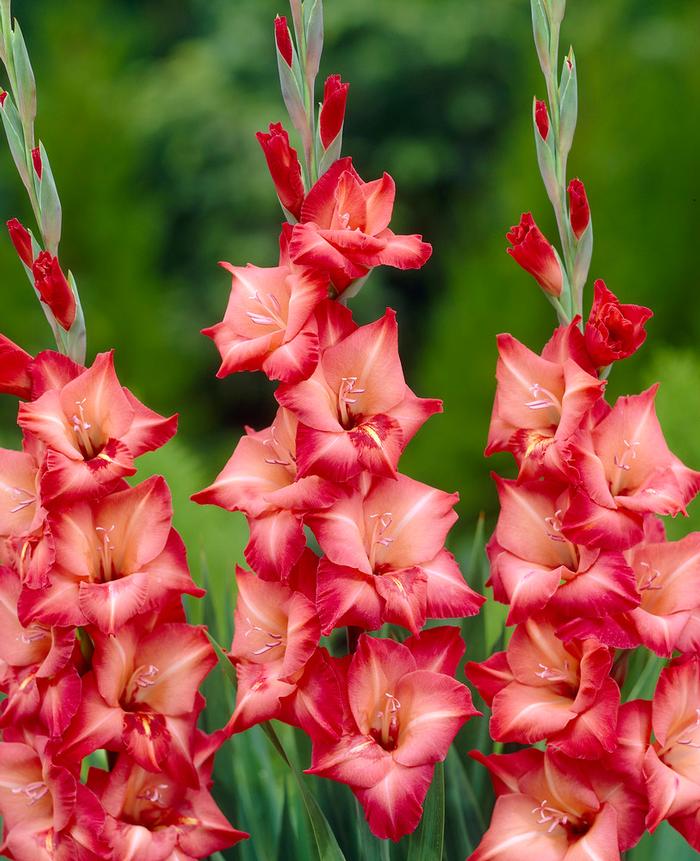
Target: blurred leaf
x=426 y=843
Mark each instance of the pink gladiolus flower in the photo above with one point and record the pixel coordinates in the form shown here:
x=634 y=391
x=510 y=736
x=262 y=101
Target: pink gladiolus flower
x=332 y=114
x=541 y=688
x=21 y=512
x=531 y=249
x=344 y=228
x=92 y=429
x=269 y=323
x=276 y=635
x=141 y=696
x=625 y=470
x=283 y=164
x=47 y=813
x=42 y=686
x=401 y=709
x=541 y=401
x=260 y=479
x=672 y=762
x=385 y=558
x=54 y=289
x=533 y=564
x=153 y=817
x=114 y=557
x=14 y=369
x=355 y=411
x=550 y=806
x=614 y=331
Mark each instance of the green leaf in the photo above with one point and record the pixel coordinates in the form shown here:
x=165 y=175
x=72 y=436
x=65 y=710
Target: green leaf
x=326 y=844
x=228 y=669
x=426 y=843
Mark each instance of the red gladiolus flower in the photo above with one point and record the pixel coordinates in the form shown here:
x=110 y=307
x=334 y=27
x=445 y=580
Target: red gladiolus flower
x=541 y=688
x=533 y=566
x=154 y=817
x=47 y=813
x=114 y=557
x=355 y=411
x=344 y=229
x=385 y=558
x=283 y=39
x=625 y=470
x=541 y=401
x=260 y=479
x=550 y=806
x=579 y=211
x=332 y=114
x=22 y=241
x=672 y=762
x=54 y=289
x=536 y=255
x=401 y=709
x=285 y=170
x=14 y=369
x=92 y=428
x=542 y=119
x=614 y=331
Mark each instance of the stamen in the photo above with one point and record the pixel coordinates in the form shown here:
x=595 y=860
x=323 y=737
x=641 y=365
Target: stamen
x=147 y=678
x=271 y=309
x=554 y=675
x=385 y=729
x=543 y=399
x=348 y=388
x=106 y=550
x=34 y=791
x=272 y=642
x=154 y=794
x=687 y=738
x=382 y=522
x=650 y=583
x=17 y=493
x=81 y=428
x=550 y=814
x=630 y=453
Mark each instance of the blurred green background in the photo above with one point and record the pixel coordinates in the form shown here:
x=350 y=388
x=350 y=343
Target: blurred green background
x=148 y=110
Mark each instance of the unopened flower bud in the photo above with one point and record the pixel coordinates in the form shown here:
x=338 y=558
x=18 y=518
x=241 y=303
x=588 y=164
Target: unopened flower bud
x=3 y=96
x=579 y=211
x=22 y=240
x=542 y=119
x=332 y=115
x=53 y=288
x=284 y=167
x=36 y=161
x=283 y=40
x=614 y=331
x=536 y=255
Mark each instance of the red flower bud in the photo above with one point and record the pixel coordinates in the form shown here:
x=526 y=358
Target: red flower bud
x=283 y=163
x=542 y=119
x=36 y=161
x=332 y=115
x=283 y=39
x=3 y=96
x=536 y=255
x=22 y=241
x=14 y=369
x=613 y=331
x=579 y=211
x=54 y=289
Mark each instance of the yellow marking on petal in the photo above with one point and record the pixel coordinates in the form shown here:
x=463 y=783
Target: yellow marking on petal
x=399 y=584
x=26 y=681
x=146 y=726
x=105 y=457
x=372 y=434
x=188 y=820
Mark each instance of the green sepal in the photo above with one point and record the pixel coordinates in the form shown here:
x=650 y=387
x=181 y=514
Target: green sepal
x=582 y=261
x=556 y=9
x=568 y=105
x=540 y=30
x=546 y=159
x=24 y=79
x=332 y=154
x=292 y=92
x=76 y=338
x=313 y=28
x=49 y=204
x=15 y=138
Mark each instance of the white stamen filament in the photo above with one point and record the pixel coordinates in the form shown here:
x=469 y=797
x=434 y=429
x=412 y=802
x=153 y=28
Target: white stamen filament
x=271 y=308
x=347 y=397
x=543 y=399
x=34 y=791
x=382 y=522
x=81 y=428
x=547 y=814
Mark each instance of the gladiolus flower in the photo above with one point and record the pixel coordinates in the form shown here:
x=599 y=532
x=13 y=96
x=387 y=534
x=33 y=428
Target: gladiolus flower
x=579 y=211
x=283 y=164
x=344 y=228
x=154 y=817
x=540 y=401
x=54 y=289
x=625 y=470
x=401 y=710
x=541 y=688
x=14 y=369
x=115 y=557
x=536 y=255
x=92 y=428
x=260 y=479
x=283 y=39
x=550 y=806
x=332 y=114
x=355 y=411
x=542 y=119
x=22 y=241
x=614 y=331
x=385 y=558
